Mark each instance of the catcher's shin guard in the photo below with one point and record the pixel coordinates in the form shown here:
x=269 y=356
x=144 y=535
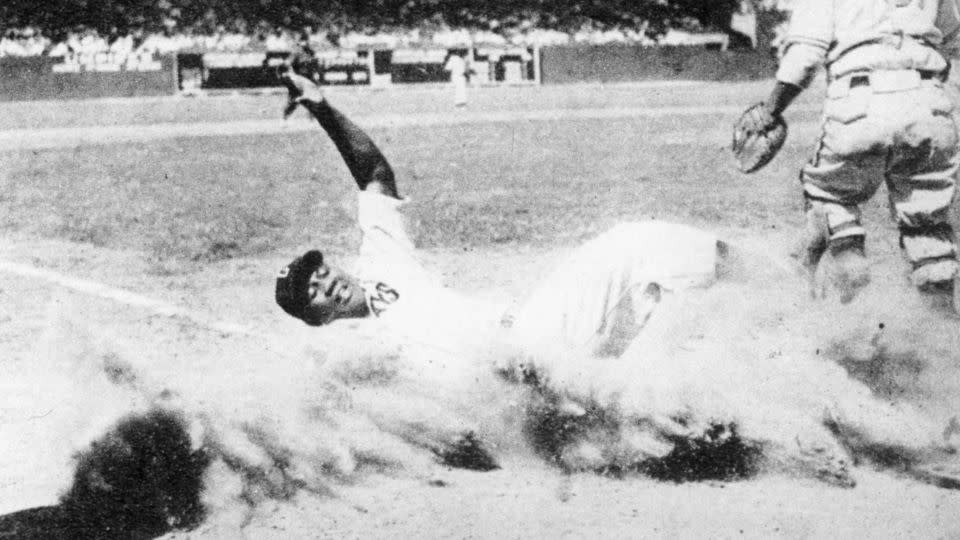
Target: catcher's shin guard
x=826 y=222
x=852 y=270
x=932 y=253
x=813 y=240
x=845 y=270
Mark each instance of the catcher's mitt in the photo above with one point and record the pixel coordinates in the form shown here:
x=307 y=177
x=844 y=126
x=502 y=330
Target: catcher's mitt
x=757 y=137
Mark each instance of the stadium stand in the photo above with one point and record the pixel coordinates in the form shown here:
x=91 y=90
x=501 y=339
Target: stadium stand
x=124 y=47
x=125 y=26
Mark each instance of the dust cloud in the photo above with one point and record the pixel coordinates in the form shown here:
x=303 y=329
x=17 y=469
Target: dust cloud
x=739 y=380
x=752 y=376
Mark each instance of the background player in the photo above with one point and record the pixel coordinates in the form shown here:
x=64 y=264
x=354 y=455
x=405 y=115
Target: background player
x=456 y=65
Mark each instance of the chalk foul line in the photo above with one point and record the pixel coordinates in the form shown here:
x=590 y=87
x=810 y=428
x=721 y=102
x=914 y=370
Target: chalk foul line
x=125 y=297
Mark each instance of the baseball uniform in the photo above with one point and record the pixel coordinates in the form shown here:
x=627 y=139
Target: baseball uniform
x=457 y=67
x=409 y=299
x=599 y=298
x=886 y=115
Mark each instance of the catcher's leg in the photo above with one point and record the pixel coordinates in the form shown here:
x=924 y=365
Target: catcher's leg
x=921 y=183
x=844 y=173
x=932 y=255
x=833 y=250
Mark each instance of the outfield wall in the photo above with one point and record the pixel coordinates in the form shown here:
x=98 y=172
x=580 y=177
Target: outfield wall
x=31 y=78
x=363 y=67
x=105 y=76
x=629 y=63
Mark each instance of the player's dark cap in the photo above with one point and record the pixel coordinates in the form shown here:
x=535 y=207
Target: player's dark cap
x=293 y=282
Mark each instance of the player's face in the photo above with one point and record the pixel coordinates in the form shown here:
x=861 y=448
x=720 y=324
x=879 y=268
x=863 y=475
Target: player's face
x=334 y=294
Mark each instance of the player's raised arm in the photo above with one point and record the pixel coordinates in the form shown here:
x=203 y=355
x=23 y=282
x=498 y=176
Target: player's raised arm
x=366 y=162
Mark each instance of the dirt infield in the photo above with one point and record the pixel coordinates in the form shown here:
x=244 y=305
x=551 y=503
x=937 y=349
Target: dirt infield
x=527 y=498
x=209 y=329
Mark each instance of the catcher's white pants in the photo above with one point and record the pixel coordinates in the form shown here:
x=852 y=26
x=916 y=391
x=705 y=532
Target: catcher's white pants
x=894 y=126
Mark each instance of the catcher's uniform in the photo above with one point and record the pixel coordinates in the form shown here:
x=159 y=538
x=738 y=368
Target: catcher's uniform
x=886 y=116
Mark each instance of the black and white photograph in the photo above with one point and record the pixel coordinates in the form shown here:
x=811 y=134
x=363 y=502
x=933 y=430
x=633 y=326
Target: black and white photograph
x=475 y=269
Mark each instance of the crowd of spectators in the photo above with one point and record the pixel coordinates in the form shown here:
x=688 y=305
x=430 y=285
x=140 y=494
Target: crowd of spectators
x=175 y=31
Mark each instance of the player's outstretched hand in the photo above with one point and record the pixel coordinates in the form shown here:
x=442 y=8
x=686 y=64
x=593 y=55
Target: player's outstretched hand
x=300 y=90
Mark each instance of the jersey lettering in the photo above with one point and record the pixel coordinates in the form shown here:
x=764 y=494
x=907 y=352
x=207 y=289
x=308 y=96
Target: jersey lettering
x=380 y=297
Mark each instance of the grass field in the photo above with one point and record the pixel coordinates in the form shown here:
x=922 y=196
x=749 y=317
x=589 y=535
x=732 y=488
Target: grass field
x=204 y=221
x=548 y=182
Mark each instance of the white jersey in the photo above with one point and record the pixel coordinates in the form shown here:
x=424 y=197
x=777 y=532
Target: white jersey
x=386 y=251
x=410 y=300
x=596 y=301
x=600 y=297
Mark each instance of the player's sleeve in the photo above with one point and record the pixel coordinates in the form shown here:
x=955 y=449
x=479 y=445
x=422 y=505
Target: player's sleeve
x=809 y=37
x=379 y=218
x=386 y=250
